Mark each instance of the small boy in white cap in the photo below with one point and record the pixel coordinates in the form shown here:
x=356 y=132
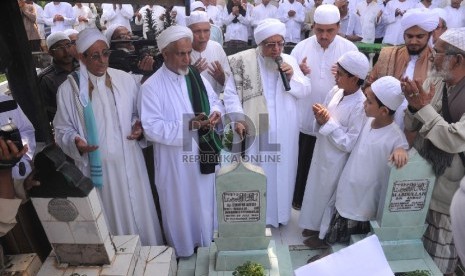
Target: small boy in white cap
x=339 y=120
x=366 y=173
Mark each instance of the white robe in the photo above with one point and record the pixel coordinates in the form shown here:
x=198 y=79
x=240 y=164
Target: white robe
x=119 y=15
x=335 y=141
x=213 y=52
x=283 y=131
x=157 y=11
x=320 y=62
x=455 y=17
x=261 y=12
x=85 y=12
x=368 y=20
x=236 y=31
x=64 y=9
x=187 y=197
x=293 y=24
x=366 y=174
x=126 y=194
x=394 y=34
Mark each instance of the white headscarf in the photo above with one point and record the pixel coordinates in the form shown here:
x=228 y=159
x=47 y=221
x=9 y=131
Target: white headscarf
x=267 y=28
x=197 y=17
x=455 y=37
x=387 y=89
x=171 y=34
x=355 y=63
x=110 y=30
x=86 y=38
x=421 y=17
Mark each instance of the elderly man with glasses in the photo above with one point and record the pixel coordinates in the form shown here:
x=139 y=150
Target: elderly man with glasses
x=265 y=87
x=97 y=125
x=436 y=111
x=59 y=47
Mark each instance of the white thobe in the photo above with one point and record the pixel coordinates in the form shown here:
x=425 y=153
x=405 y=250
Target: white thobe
x=394 y=34
x=320 y=62
x=213 y=52
x=84 y=11
x=40 y=20
x=239 y=30
x=126 y=194
x=368 y=16
x=455 y=17
x=366 y=174
x=335 y=141
x=180 y=15
x=187 y=197
x=157 y=11
x=64 y=9
x=283 y=131
x=214 y=13
x=294 y=23
x=121 y=15
x=261 y=12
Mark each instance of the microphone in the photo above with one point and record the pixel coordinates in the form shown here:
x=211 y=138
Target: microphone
x=279 y=61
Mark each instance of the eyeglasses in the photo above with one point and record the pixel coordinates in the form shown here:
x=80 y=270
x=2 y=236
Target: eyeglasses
x=63 y=47
x=271 y=45
x=97 y=56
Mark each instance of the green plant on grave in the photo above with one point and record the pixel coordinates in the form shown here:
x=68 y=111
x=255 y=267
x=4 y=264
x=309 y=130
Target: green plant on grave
x=249 y=269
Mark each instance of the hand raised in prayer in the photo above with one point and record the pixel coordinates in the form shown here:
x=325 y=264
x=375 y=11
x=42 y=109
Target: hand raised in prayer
x=413 y=91
x=399 y=157
x=216 y=71
x=291 y=13
x=304 y=67
x=146 y=64
x=321 y=114
x=58 y=17
x=136 y=131
x=235 y=11
x=200 y=121
x=82 y=146
x=241 y=128
x=288 y=70
x=201 y=64
x=334 y=69
x=214 y=118
x=9 y=151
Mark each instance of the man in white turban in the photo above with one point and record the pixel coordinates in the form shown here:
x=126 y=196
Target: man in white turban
x=97 y=125
x=207 y=56
x=316 y=56
x=178 y=107
x=338 y=122
x=437 y=113
x=265 y=87
x=411 y=60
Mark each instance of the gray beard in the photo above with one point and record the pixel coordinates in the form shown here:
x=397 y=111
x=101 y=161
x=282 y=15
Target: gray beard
x=443 y=73
x=183 y=72
x=270 y=64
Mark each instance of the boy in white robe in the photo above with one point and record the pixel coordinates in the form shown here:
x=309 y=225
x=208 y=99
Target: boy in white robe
x=366 y=173
x=339 y=121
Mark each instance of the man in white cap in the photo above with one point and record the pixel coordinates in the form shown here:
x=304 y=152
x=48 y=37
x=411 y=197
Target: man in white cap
x=392 y=15
x=366 y=173
x=316 y=56
x=178 y=107
x=291 y=13
x=97 y=125
x=338 y=122
x=59 y=16
x=59 y=47
x=439 y=121
x=412 y=59
x=207 y=56
x=257 y=90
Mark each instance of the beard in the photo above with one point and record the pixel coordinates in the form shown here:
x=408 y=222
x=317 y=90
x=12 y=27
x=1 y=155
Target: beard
x=442 y=73
x=183 y=72
x=416 y=52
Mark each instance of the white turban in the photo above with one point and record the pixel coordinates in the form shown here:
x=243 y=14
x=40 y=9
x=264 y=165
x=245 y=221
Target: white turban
x=269 y=27
x=455 y=37
x=197 y=5
x=327 y=14
x=355 y=63
x=69 y=32
x=387 y=90
x=171 y=34
x=87 y=37
x=197 y=17
x=55 y=37
x=423 y=18
x=109 y=32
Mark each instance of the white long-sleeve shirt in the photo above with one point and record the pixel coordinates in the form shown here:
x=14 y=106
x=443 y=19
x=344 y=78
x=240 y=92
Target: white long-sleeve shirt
x=121 y=15
x=294 y=23
x=64 y=9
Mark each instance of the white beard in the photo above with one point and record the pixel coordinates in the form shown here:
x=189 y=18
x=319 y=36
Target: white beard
x=183 y=72
x=443 y=73
x=270 y=64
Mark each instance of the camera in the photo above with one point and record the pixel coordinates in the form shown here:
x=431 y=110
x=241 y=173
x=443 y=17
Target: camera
x=126 y=55
x=11 y=132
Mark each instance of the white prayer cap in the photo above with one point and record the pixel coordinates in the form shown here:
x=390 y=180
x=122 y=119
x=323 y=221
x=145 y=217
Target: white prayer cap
x=269 y=27
x=387 y=90
x=355 y=63
x=197 y=5
x=421 y=17
x=109 y=32
x=197 y=17
x=171 y=34
x=55 y=37
x=327 y=14
x=69 y=32
x=440 y=12
x=455 y=37
x=87 y=37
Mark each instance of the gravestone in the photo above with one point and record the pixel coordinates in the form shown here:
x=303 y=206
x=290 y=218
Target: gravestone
x=400 y=221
